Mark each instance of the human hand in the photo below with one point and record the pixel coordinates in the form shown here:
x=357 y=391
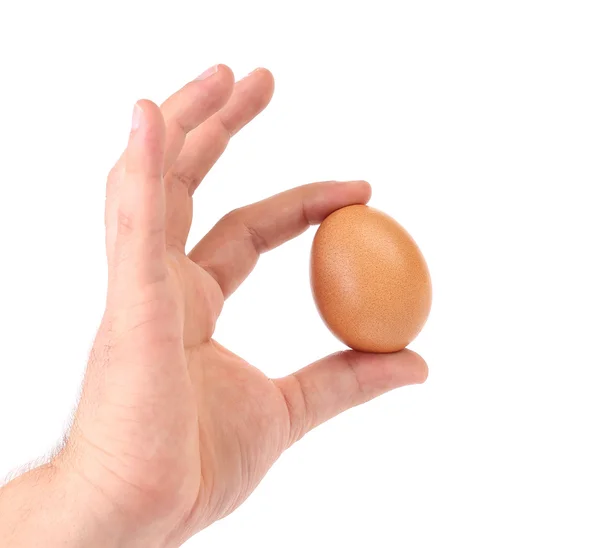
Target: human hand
x=173 y=431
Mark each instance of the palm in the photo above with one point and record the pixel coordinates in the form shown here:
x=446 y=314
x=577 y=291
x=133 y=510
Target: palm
x=243 y=419
x=172 y=426
x=247 y=428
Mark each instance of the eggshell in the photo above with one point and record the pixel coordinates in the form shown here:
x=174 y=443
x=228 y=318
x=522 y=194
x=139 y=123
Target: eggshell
x=369 y=280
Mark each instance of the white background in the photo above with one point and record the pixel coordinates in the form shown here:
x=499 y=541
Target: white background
x=478 y=125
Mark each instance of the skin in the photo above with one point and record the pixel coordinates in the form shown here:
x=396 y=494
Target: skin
x=174 y=431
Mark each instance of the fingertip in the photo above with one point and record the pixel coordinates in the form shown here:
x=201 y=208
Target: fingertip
x=323 y=198
x=365 y=189
x=368 y=189
x=357 y=192
x=199 y=99
x=147 y=138
x=265 y=82
x=263 y=74
x=146 y=115
x=425 y=372
x=389 y=370
x=218 y=72
x=417 y=364
x=226 y=75
x=251 y=96
x=147 y=106
x=226 y=69
x=267 y=78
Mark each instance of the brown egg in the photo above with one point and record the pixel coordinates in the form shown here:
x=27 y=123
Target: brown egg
x=369 y=280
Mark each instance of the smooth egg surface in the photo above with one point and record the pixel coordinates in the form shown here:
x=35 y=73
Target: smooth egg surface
x=369 y=280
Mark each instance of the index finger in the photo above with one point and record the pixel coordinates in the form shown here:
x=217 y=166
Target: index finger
x=231 y=249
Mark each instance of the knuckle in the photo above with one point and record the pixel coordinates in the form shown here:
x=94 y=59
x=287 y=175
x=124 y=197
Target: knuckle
x=351 y=358
x=237 y=221
x=189 y=182
x=233 y=217
x=295 y=398
x=113 y=178
x=258 y=240
x=125 y=223
x=114 y=173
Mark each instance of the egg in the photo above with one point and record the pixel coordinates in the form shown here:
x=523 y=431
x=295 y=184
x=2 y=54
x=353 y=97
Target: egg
x=369 y=280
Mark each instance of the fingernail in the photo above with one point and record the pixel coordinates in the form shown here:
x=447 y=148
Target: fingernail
x=252 y=72
x=136 y=118
x=208 y=72
x=248 y=75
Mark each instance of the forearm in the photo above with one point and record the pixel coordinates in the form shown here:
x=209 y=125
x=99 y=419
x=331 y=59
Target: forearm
x=47 y=507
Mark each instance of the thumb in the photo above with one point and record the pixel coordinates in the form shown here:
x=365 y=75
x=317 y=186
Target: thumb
x=338 y=382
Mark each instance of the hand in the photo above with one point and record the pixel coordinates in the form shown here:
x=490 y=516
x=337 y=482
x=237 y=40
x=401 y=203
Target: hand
x=174 y=431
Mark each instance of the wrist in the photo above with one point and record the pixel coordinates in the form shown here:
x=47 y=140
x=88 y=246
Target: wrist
x=42 y=505
x=54 y=505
